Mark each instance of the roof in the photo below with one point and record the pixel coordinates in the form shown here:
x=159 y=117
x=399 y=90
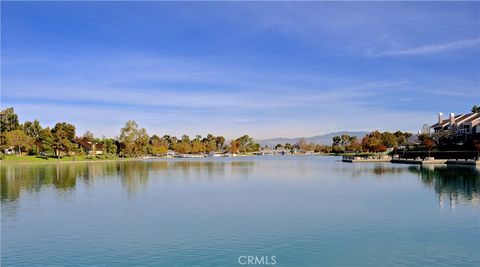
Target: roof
x=87 y=145
x=459 y=119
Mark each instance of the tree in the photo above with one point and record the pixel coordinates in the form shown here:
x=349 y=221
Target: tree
x=18 y=139
x=88 y=136
x=33 y=129
x=128 y=135
x=246 y=144
x=427 y=141
x=354 y=145
x=158 y=146
x=109 y=146
x=220 y=140
x=389 y=140
x=234 y=147
x=67 y=129
x=141 y=143
x=134 y=142
x=182 y=147
x=198 y=146
x=373 y=142
x=336 y=140
x=46 y=140
x=336 y=148
x=304 y=146
x=402 y=137
x=211 y=145
x=61 y=142
x=475 y=109
x=288 y=146
x=8 y=120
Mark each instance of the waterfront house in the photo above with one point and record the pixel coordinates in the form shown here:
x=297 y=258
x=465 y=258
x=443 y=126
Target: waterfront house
x=89 y=147
x=464 y=128
x=463 y=124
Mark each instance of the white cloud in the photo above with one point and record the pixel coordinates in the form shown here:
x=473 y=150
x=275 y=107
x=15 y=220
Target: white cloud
x=428 y=49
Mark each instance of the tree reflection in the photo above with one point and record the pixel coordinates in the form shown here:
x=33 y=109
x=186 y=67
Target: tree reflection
x=451 y=183
x=134 y=175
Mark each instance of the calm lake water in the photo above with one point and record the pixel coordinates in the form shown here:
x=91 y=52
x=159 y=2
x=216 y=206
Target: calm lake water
x=305 y=211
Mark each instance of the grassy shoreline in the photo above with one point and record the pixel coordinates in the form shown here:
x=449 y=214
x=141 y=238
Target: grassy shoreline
x=14 y=159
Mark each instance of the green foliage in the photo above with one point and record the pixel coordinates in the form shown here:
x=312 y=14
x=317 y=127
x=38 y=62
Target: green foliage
x=66 y=130
x=345 y=143
x=476 y=108
x=61 y=141
x=158 y=146
x=88 y=136
x=134 y=142
x=8 y=120
x=18 y=140
x=46 y=138
x=245 y=144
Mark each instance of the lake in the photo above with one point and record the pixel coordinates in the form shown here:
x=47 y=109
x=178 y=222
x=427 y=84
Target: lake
x=290 y=210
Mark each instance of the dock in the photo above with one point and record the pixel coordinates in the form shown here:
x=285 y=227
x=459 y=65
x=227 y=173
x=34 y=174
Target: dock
x=354 y=159
x=419 y=161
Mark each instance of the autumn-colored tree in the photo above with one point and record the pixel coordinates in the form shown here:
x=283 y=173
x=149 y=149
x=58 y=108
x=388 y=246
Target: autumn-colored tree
x=19 y=140
x=373 y=142
x=353 y=145
x=427 y=142
x=158 y=146
x=182 y=147
x=234 y=147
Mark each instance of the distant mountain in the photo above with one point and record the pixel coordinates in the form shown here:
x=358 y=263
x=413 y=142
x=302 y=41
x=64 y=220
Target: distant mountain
x=325 y=139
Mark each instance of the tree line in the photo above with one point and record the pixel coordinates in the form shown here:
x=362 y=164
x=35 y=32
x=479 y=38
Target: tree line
x=33 y=139
x=373 y=142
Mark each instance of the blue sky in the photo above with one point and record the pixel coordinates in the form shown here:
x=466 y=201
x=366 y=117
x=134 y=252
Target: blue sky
x=269 y=69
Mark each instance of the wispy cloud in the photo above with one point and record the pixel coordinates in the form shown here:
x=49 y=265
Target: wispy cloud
x=181 y=93
x=428 y=49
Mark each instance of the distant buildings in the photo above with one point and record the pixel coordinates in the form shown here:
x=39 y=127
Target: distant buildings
x=459 y=125
x=464 y=128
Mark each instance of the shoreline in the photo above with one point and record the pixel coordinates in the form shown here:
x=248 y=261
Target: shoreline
x=57 y=161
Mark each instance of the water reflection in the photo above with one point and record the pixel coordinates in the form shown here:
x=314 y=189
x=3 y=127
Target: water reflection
x=133 y=175
x=451 y=183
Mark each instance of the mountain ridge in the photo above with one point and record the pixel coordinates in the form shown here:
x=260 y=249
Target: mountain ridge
x=324 y=139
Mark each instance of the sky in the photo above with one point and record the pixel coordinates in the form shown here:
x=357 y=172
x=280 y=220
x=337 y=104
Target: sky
x=267 y=69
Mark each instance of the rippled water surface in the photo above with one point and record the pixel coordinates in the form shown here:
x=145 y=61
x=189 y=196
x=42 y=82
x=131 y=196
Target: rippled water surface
x=305 y=211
